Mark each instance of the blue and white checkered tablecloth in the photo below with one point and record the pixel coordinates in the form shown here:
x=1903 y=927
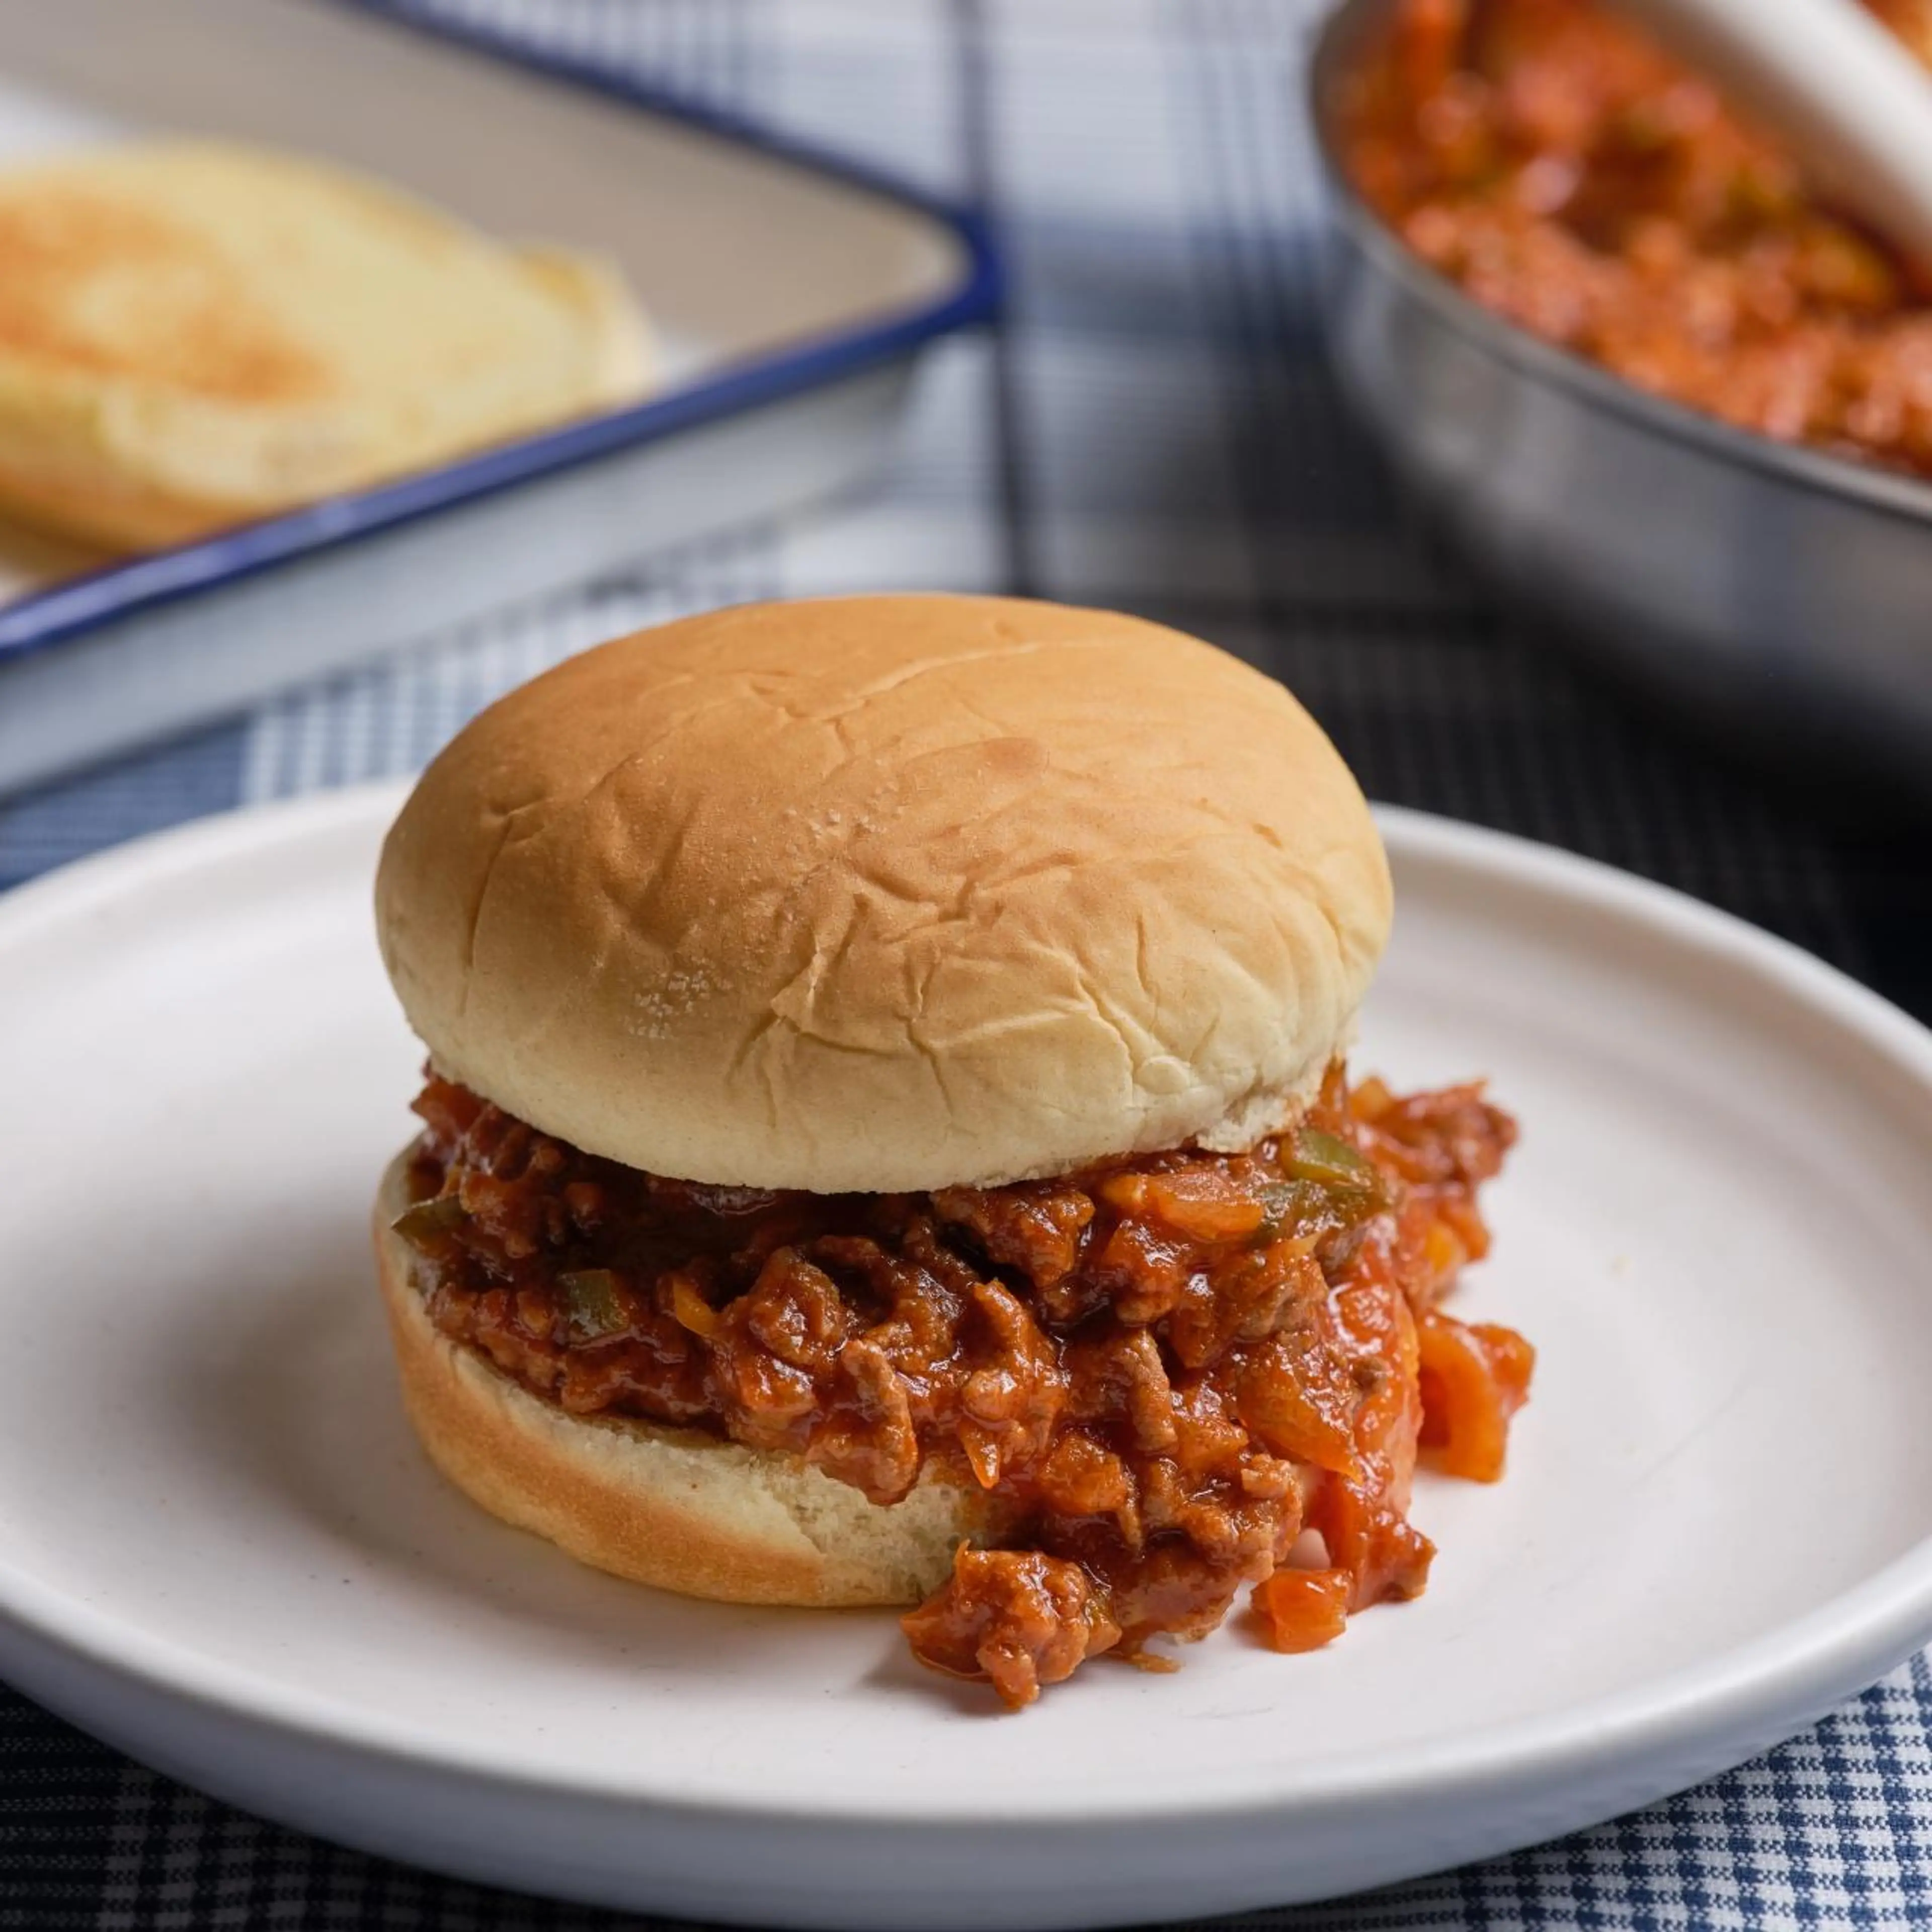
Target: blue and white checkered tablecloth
x=1153 y=429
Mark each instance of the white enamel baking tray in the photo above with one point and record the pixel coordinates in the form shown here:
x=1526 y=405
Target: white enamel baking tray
x=790 y=294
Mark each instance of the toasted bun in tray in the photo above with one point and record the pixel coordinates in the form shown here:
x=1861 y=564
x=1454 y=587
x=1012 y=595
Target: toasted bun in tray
x=193 y=334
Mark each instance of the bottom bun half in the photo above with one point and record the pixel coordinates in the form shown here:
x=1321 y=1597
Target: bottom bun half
x=676 y=1508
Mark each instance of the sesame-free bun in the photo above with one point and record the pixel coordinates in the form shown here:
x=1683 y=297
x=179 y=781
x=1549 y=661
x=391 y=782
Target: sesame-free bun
x=877 y=894
x=674 y=1507
x=193 y=334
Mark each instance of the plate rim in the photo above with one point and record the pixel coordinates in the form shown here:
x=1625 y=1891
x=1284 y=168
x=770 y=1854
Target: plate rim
x=1767 y=1685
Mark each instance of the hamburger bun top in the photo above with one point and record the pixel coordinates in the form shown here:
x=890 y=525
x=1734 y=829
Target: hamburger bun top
x=877 y=894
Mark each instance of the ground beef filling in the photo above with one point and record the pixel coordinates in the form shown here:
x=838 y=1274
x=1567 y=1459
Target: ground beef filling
x=1545 y=155
x=1166 y=1372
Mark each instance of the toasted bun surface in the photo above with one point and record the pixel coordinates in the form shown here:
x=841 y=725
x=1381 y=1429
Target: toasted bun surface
x=192 y=334
x=888 y=893
x=672 y=1508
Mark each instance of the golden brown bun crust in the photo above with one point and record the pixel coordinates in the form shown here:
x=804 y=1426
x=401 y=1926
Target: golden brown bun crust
x=672 y=1508
x=888 y=893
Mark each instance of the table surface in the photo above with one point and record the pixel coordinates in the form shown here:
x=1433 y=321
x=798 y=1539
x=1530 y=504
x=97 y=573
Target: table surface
x=1153 y=429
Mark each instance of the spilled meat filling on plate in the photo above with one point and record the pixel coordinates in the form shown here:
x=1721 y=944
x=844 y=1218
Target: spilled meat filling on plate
x=1175 y=1377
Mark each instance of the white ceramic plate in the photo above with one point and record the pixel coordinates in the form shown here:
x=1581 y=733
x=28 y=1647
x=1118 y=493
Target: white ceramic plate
x=222 y=1551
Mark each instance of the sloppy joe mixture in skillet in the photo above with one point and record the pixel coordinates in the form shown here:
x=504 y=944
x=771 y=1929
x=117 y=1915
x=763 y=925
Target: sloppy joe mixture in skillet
x=1547 y=157
x=1176 y=1376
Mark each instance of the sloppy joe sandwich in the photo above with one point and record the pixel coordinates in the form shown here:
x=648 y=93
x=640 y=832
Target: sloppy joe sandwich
x=887 y=1138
